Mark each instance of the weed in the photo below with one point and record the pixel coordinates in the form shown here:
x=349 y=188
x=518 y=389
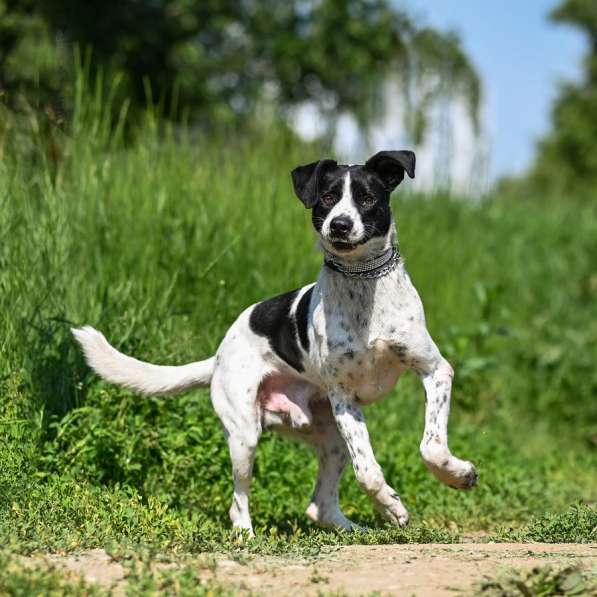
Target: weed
x=20 y=580
x=576 y=525
x=540 y=581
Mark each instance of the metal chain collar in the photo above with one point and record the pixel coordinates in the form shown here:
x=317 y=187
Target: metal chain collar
x=374 y=268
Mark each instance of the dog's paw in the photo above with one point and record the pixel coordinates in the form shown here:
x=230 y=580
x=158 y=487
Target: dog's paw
x=400 y=518
x=467 y=480
x=455 y=473
x=331 y=518
x=470 y=478
x=391 y=508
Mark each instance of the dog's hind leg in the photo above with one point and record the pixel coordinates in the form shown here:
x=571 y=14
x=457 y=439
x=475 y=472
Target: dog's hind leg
x=332 y=457
x=242 y=429
x=242 y=454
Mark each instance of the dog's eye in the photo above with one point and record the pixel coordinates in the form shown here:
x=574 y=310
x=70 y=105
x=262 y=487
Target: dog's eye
x=328 y=200
x=366 y=200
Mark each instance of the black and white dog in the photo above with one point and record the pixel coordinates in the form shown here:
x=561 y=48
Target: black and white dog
x=306 y=362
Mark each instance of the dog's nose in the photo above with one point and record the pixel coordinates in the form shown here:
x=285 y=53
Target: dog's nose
x=341 y=226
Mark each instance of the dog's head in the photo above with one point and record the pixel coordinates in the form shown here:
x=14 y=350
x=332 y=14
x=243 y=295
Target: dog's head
x=351 y=204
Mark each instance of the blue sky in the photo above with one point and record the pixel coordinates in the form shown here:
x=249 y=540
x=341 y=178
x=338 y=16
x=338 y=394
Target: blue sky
x=520 y=55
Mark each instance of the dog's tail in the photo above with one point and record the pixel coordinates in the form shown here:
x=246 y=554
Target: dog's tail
x=136 y=375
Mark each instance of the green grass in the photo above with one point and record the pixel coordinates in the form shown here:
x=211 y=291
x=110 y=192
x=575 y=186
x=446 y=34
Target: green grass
x=540 y=581
x=27 y=579
x=160 y=242
x=20 y=580
x=576 y=525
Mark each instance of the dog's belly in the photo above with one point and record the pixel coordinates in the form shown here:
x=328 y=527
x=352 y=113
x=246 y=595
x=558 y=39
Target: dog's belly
x=284 y=400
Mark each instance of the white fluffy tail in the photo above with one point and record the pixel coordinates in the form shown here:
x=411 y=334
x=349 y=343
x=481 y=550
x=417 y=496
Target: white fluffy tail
x=136 y=375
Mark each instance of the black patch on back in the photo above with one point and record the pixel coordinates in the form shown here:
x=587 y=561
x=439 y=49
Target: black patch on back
x=302 y=317
x=271 y=319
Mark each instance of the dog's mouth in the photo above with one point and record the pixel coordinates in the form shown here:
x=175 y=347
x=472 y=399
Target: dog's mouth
x=343 y=246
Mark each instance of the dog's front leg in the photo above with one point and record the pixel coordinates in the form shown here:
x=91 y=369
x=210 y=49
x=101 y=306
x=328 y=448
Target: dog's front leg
x=437 y=380
x=351 y=424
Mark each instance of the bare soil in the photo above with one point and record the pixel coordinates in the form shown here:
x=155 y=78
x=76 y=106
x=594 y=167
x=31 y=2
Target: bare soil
x=425 y=570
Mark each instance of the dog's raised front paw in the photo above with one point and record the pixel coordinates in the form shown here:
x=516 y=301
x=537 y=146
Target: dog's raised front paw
x=456 y=473
x=469 y=479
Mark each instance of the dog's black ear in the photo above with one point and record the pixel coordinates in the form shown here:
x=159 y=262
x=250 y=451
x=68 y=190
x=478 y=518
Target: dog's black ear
x=306 y=180
x=391 y=165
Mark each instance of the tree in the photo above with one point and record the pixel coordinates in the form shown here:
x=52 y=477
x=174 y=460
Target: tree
x=223 y=58
x=567 y=157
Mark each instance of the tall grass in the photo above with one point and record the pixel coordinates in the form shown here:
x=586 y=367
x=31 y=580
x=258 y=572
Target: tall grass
x=160 y=237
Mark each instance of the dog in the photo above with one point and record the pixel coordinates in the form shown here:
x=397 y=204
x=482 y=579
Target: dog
x=305 y=363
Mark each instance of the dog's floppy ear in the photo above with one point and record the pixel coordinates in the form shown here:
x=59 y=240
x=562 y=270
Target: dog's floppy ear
x=306 y=180
x=391 y=165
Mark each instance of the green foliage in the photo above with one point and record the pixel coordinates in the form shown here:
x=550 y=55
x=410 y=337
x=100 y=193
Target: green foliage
x=162 y=241
x=566 y=163
x=223 y=61
x=540 y=581
x=580 y=13
x=576 y=525
x=21 y=580
x=32 y=62
x=143 y=579
x=28 y=579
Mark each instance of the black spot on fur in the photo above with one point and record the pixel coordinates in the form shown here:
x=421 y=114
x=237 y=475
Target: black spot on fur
x=272 y=319
x=399 y=350
x=302 y=318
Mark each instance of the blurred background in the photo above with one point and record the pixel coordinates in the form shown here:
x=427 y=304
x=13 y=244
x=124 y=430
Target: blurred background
x=484 y=93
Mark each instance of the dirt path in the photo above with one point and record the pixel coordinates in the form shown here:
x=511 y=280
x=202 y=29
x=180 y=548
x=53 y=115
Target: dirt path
x=425 y=570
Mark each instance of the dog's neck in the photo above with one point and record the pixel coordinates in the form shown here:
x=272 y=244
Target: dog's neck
x=357 y=299
x=370 y=269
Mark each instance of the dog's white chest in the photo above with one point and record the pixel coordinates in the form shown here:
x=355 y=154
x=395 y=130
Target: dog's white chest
x=363 y=338
x=367 y=367
x=376 y=375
